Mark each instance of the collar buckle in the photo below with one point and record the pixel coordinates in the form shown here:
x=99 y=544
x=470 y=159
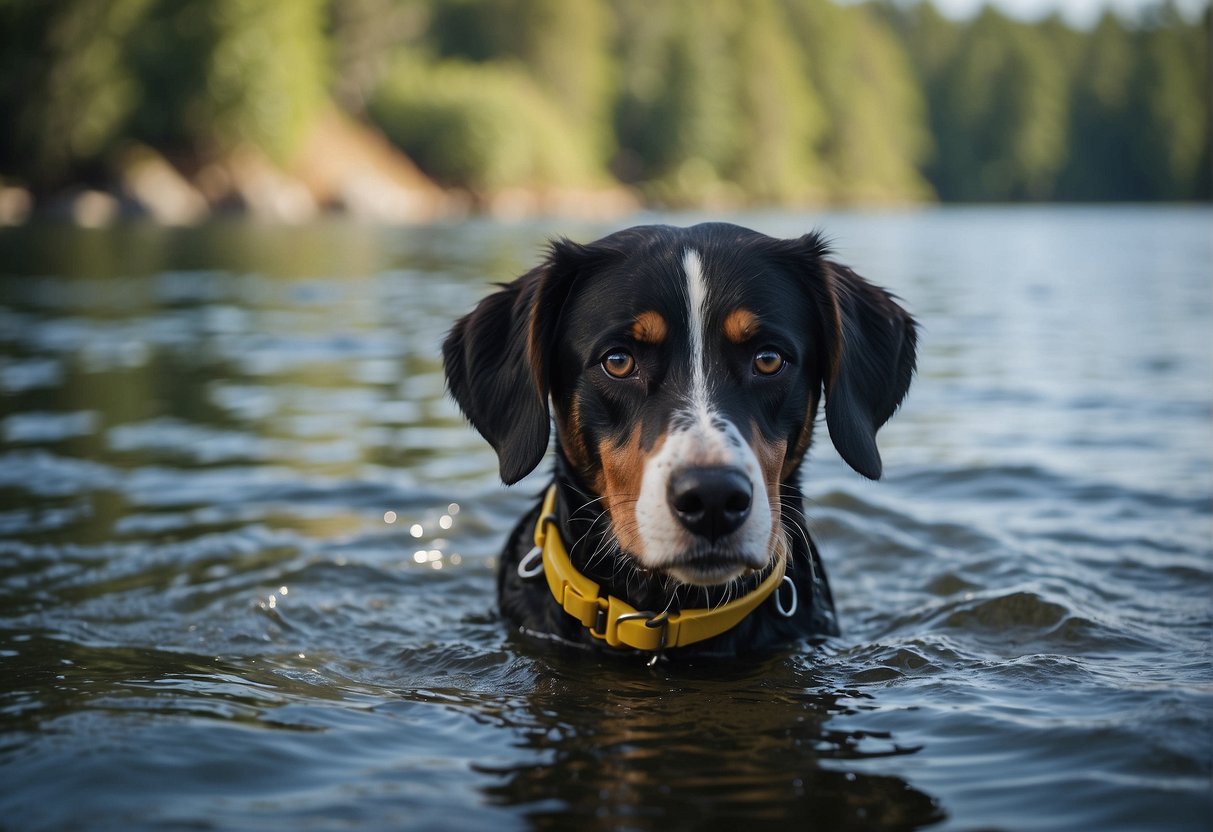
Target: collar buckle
x=600 y=623
x=652 y=620
x=618 y=623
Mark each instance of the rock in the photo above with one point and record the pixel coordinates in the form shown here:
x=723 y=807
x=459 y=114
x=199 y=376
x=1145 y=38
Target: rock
x=158 y=190
x=246 y=180
x=594 y=204
x=367 y=196
x=15 y=205
x=349 y=166
x=83 y=206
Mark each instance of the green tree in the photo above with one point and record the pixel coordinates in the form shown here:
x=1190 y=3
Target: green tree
x=220 y=73
x=483 y=126
x=1101 y=163
x=779 y=115
x=715 y=104
x=1169 y=107
x=83 y=77
x=69 y=91
x=875 y=135
x=364 y=35
x=563 y=45
x=674 y=118
x=1002 y=114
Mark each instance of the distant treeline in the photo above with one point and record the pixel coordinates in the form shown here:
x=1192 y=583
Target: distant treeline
x=688 y=101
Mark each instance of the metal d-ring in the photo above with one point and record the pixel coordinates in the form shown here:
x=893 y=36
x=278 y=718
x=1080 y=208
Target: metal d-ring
x=790 y=610
x=531 y=563
x=652 y=620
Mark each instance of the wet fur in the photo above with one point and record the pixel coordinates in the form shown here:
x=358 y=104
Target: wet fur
x=535 y=341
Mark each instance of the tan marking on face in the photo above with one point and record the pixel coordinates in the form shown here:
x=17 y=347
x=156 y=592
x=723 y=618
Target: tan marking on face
x=650 y=328
x=771 y=456
x=622 y=470
x=740 y=326
x=802 y=440
x=571 y=437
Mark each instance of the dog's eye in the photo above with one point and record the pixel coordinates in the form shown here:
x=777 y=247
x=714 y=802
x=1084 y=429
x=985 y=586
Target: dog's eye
x=768 y=362
x=619 y=364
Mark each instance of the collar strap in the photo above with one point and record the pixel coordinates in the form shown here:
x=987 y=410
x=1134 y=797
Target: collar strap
x=620 y=624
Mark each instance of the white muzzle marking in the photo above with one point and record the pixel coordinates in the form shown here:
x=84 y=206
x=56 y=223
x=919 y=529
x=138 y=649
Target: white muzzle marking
x=699 y=436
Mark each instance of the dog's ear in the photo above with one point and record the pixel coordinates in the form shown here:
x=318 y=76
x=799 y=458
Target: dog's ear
x=871 y=348
x=497 y=359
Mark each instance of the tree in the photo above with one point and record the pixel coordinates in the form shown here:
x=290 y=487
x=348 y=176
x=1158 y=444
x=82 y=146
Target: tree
x=220 y=73
x=874 y=135
x=1169 y=107
x=69 y=90
x=1101 y=163
x=1002 y=114
x=674 y=118
x=779 y=115
x=563 y=45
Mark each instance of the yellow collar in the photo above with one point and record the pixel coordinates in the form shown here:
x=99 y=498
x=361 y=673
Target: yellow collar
x=619 y=623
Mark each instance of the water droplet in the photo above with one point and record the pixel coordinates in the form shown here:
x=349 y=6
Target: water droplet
x=389 y=517
x=415 y=530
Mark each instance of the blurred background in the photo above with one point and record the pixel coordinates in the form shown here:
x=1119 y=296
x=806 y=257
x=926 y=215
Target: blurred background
x=411 y=110
x=248 y=544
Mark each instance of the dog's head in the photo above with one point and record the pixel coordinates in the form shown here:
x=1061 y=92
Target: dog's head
x=684 y=369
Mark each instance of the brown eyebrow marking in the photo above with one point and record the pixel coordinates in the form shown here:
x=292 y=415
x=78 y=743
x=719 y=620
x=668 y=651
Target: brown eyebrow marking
x=740 y=326
x=650 y=328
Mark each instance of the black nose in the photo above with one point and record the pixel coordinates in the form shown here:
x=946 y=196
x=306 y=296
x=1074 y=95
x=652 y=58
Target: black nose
x=710 y=501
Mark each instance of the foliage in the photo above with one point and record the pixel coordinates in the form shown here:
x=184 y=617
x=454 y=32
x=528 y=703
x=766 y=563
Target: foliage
x=218 y=73
x=690 y=101
x=1039 y=111
x=1002 y=131
x=1169 y=92
x=84 y=76
x=715 y=104
x=480 y=126
x=564 y=45
x=875 y=137
x=69 y=90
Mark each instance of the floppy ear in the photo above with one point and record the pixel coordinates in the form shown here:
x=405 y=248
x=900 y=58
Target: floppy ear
x=872 y=349
x=497 y=360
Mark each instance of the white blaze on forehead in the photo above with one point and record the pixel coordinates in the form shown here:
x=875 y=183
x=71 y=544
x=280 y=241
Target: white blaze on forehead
x=699 y=436
x=697 y=307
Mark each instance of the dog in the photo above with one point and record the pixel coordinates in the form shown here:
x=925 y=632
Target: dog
x=683 y=369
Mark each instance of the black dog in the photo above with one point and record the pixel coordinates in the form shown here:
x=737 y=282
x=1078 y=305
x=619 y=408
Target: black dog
x=684 y=368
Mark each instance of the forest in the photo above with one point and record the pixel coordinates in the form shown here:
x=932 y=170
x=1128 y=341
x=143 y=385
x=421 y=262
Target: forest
x=679 y=102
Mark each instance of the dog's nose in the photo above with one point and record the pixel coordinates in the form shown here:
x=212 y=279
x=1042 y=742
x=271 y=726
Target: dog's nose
x=710 y=501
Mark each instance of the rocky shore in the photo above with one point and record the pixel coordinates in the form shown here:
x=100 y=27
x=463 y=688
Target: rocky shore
x=344 y=167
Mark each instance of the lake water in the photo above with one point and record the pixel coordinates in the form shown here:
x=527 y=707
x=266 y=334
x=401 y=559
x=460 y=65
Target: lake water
x=247 y=548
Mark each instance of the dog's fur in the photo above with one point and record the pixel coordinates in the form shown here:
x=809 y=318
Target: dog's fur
x=680 y=363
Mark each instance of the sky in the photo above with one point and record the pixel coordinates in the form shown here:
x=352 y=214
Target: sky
x=1077 y=12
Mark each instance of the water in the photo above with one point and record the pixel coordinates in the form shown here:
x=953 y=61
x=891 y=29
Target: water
x=247 y=549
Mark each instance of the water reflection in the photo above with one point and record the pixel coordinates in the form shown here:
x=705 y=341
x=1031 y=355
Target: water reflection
x=233 y=497
x=618 y=748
